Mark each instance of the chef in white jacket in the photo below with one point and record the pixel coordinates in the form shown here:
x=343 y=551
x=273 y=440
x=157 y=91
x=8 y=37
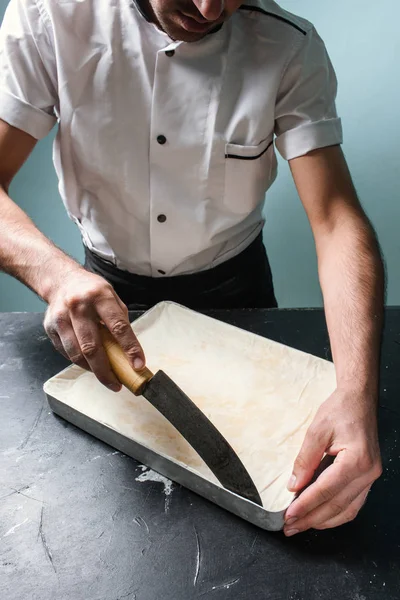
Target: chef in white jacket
x=169 y=114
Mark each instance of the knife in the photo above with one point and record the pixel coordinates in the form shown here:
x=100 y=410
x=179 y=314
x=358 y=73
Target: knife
x=161 y=391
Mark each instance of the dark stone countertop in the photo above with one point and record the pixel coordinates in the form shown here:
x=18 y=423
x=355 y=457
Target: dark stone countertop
x=75 y=525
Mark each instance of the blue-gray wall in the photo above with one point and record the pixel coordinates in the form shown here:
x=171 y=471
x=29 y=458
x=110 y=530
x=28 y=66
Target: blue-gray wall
x=364 y=44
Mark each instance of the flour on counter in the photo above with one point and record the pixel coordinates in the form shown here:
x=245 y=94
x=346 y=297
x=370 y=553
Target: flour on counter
x=10 y=531
x=150 y=475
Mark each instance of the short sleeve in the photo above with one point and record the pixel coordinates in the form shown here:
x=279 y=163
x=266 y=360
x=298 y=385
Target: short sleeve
x=305 y=111
x=27 y=70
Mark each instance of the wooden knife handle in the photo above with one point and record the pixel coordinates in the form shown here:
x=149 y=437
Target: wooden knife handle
x=131 y=379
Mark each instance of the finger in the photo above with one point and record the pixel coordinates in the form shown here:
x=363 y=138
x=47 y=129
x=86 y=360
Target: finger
x=117 y=322
x=123 y=306
x=51 y=327
x=87 y=334
x=65 y=341
x=339 y=505
x=310 y=455
x=57 y=343
x=331 y=482
x=349 y=515
x=72 y=349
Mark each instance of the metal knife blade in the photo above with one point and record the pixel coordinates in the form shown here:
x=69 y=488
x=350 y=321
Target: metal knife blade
x=163 y=393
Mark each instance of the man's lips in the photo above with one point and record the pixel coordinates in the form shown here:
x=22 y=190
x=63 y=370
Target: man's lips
x=198 y=19
x=194 y=24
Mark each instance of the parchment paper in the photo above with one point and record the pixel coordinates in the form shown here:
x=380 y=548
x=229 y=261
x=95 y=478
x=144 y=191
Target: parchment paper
x=261 y=395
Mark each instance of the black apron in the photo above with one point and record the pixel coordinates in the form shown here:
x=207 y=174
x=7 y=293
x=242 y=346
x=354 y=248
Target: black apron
x=244 y=281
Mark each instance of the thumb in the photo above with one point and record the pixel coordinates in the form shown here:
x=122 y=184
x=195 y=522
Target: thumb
x=308 y=459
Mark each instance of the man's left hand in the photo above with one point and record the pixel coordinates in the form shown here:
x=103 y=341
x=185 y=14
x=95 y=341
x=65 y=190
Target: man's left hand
x=345 y=426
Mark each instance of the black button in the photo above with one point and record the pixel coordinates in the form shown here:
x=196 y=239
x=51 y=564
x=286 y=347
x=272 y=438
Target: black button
x=161 y=218
x=161 y=139
x=161 y=272
x=170 y=53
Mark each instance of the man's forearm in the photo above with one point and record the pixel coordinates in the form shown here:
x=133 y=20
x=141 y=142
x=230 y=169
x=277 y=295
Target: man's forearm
x=352 y=280
x=25 y=253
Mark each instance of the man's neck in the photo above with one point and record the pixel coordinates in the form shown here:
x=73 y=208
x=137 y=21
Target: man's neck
x=145 y=9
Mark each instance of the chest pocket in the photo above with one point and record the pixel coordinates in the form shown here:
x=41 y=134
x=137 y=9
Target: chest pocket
x=249 y=172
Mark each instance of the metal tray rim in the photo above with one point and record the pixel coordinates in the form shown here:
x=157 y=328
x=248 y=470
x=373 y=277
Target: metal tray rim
x=270 y=521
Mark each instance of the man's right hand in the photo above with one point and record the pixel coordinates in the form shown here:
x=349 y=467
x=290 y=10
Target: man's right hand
x=76 y=308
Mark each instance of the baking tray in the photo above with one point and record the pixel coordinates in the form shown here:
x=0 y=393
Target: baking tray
x=165 y=466
x=259 y=428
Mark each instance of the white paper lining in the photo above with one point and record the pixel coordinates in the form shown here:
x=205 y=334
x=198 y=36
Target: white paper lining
x=261 y=395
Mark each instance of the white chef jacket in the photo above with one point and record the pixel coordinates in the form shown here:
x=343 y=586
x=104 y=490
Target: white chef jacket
x=165 y=149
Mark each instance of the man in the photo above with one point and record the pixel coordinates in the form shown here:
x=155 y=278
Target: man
x=168 y=113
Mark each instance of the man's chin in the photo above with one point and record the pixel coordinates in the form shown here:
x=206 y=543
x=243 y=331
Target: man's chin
x=186 y=36
x=181 y=35
x=177 y=32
